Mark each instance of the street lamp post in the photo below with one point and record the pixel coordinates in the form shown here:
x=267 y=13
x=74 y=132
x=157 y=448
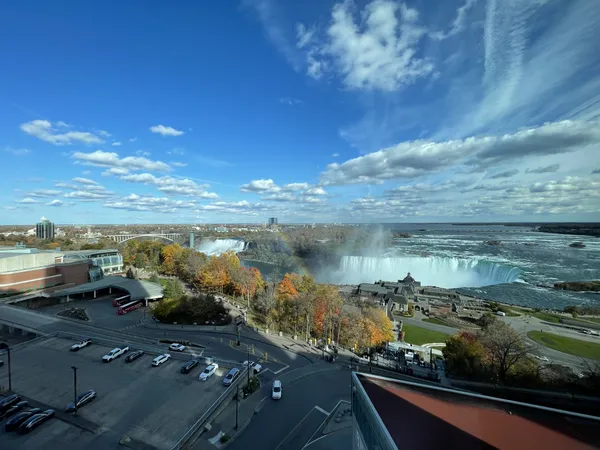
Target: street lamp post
x=4 y=346
x=248 y=368
x=74 y=387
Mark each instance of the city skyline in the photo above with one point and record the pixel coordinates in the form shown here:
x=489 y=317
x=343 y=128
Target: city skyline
x=337 y=111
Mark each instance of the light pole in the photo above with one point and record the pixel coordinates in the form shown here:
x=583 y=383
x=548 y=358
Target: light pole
x=248 y=368
x=4 y=346
x=74 y=387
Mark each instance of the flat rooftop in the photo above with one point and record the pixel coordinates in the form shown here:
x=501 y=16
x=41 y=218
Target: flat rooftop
x=420 y=416
x=138 y=289
x=88 y=253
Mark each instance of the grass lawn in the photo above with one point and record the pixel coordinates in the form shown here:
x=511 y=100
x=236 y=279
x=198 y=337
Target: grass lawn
x=564 y=344
x=590 y=319
x=417 y=335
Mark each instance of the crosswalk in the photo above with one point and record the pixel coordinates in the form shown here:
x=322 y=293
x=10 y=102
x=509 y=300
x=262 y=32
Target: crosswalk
x=135 y=325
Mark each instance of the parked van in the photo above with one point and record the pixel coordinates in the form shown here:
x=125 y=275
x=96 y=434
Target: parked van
x=231 y=375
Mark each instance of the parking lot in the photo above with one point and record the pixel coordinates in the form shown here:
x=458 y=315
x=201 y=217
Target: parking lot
x=155 y=405
x=100 y=312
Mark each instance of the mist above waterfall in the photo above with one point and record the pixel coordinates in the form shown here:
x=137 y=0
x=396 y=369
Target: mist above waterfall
x=448 y=272
x=220 y=246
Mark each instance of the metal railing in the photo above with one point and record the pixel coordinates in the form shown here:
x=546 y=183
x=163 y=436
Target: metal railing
x=189 y=437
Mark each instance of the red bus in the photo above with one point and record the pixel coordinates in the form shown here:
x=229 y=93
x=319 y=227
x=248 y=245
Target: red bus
x=124 y=309
x=121 y=300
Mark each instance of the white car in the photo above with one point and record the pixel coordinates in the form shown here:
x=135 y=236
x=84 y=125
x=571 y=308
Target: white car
x=114 y=353
x=80 y=345
x=254 y=367
x=541 y=358
x=208 y=372
x=276 y=390
x=160 y=359
x=177 y=347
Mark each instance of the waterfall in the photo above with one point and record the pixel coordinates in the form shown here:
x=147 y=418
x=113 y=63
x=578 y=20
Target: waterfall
x=448 y=272
x=219 y=246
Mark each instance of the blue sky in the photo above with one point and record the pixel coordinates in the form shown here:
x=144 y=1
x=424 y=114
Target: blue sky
x=317 y=111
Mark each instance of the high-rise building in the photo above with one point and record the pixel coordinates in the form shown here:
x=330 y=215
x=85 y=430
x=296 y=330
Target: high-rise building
x=272 y=221
x=44 y=229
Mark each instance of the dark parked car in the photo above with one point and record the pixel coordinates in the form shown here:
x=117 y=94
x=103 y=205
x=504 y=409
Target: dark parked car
x=14 y=409
x=133 y=356
x=82 y=399
x=7 y=402
x=15 y=421
x=35 y=421
x=189 y=366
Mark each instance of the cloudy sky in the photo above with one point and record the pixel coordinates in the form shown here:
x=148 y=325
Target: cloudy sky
x=315 y=111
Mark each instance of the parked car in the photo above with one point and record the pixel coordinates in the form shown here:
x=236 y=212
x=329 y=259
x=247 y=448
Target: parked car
x=114 y=353
x=187 y=367
x=7 y=402
x=276 y=390
x=231 y=375
x=133 y=356
x=160 y=359
x=14 y=409
x=80 y=345
x=82 y=399
x=15 y=421
x=208 y=372
x=35 y=421
x=177 y=347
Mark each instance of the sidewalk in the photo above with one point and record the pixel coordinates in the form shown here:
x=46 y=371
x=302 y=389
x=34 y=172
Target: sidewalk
x=224 y=424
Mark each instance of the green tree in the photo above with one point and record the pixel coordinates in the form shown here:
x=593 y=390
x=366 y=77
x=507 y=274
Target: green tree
x=464 y=354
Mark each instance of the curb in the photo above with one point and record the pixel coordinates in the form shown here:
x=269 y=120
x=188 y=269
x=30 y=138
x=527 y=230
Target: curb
x=243 y=427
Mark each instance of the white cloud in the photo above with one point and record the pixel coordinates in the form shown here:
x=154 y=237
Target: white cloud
x=178 y=164
x=335 y=155
x=101 y=158
x=380 y=52
x=171 y=185
x=28 y=200
x=505 y=174
x=88 y=195
x=103 y=133
x=291 y=101
x=133 y=139
x=82 y=180
x=135 y=202
x=260 y=186
x=459 y=24
x=166 y=131
x=142 y=153
x=296 y=187
x=415 y=158
x=52 y=133
x=115 y=171
x=116 y=144
x=55 y=203
x=316 y=191
x=17 y=151
x=176 y=151
x=43 y=193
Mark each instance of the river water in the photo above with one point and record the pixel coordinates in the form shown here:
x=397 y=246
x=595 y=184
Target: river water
x=457 y=256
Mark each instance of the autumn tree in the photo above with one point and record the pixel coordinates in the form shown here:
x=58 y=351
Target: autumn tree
x=505 y=348
x=464 y=354
x=286 y=295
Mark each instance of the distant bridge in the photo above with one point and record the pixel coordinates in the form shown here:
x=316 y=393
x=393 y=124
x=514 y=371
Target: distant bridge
x=126 y=237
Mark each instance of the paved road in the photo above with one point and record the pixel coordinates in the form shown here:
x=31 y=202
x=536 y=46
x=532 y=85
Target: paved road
x=429 y=326
x=309 y=393
x=216 y=345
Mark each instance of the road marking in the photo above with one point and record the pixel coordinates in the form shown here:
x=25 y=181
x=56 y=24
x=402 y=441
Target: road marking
x=318 y=408
x=294 y=429
x=280 y=370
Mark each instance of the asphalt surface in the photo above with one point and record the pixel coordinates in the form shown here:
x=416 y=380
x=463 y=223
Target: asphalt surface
x=156 y=405
x=308 y=394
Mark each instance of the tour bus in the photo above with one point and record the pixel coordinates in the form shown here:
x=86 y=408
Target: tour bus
x=124 y=309
x=121 y=300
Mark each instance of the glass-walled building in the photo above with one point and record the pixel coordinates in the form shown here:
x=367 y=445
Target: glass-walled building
x=44 y=229
x=109 y=260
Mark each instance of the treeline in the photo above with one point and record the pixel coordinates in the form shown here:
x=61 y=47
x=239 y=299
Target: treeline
x=498 y=354
x=296 y=304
